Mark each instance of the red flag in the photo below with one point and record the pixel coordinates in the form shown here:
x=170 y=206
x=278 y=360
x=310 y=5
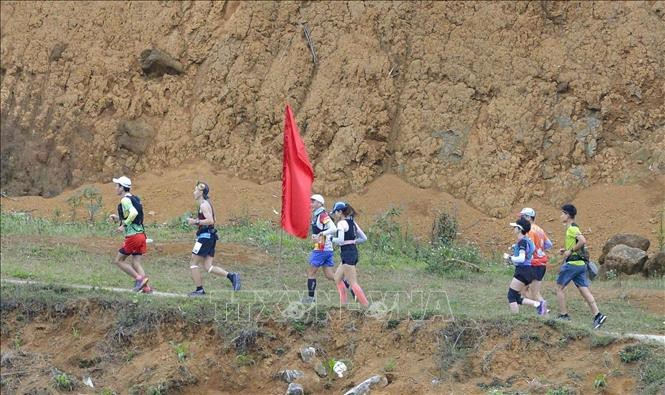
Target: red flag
x=297 y=179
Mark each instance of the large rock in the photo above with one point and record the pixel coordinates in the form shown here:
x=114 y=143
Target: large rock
x=295 y=389
x=365 y=386
x=155 y=63
x=629 y=240
x=134 y=135
x=656 y=265
x=625 y=259
x=289 y=375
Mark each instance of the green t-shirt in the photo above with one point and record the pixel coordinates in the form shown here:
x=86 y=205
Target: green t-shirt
x=571 y=239
x=129 y=213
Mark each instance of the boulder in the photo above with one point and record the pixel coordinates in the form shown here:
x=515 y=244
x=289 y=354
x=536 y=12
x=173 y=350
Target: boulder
x=56 y=52
x=320 y=369
x=295 y=389
x=624 y=259
x=656 y=265
x=134 y=135
x=365 y=386
x=290 y=376
x=155 y=63
x=307 y=354
x=629 y=240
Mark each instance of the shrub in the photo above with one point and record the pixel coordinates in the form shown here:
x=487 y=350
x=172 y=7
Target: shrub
x=444 y=229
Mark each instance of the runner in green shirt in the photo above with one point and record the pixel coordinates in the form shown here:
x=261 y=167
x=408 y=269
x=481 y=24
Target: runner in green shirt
x=574 y=267
x=130 y=217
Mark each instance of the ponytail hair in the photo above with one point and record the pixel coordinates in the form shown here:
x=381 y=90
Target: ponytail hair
x=349 y=211
x=203 y=187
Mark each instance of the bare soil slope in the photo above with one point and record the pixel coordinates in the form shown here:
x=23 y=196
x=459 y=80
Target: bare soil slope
x=495 y=103
x=121 y=352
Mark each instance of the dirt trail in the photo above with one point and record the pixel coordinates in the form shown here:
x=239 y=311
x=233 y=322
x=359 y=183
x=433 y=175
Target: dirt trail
x=85 y=339
x=604 y=209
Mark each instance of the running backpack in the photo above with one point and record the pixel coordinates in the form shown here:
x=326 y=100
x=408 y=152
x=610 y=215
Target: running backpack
x=136 y=202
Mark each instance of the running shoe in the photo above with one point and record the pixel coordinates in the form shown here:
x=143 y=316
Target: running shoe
x=235 y=281
x=542 y=309
x=146 y=289
x=197 y=293
x=598 y=320
x=563 y=317
x=140 y=283
x=308 y=300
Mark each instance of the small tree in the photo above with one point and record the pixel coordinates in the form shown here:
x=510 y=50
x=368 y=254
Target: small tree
x=93 y=202
x=74 y=203
x=444 y=229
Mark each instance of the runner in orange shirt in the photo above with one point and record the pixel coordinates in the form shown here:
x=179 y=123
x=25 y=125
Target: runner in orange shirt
x=539 y=260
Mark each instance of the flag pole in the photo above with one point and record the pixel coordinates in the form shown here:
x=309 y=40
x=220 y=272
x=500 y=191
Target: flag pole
x=279 y=260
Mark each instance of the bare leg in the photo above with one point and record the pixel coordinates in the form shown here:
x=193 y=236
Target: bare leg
x=535 y=287
x=136 y=264
x=328 y=271
x=586 y=294
x=339 y=274
x=196 y=262
x=519 y=286
x=561 y=299
x=214 y=269
x=124 y=266
x=351 y=275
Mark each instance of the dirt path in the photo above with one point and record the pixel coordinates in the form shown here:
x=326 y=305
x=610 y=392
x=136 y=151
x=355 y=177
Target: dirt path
x=632 y=209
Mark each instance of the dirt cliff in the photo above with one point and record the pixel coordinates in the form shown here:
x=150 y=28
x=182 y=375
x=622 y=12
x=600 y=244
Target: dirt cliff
x=495 y=103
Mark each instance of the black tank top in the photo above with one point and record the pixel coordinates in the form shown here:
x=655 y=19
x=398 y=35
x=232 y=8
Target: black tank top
x=349 y=235
x=205 y=228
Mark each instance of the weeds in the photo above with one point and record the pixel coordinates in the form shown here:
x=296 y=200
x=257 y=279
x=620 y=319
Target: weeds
x=244 y=360
x=180 y=350
x=392 y=323
x=390 y=365
x=63 y=382
x=299 y=326
x=600 y=383
x=602 y=340
x=559 y=391
x=444 y=229
x=634 y=353
x=661 y=230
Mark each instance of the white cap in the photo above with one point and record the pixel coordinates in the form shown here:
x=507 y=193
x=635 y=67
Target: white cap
x=528 y=211
x=514 y=225
x=123 y=181
x=318 y=198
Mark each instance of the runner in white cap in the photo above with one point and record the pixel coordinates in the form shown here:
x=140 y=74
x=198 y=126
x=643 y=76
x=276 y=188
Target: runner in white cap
x=323 y=228
x=130 y=217
x=539 y=260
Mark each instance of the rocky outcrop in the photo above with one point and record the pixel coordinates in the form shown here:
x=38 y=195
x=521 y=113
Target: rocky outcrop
x=155 y=63
x=655 y=266
x=494 y=102
x=629 y=240
x=624 y=259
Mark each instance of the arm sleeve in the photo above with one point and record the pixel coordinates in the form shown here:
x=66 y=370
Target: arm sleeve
x=129 y=209
x=331 y=229
x=520 y=258
x=342 y=226
x=361 y=237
